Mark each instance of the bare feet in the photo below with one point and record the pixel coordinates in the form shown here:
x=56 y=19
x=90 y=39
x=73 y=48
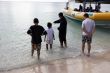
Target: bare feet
x=82 y=54
x=88 y=55
x=66 y=46
x=47 y=49
x=38 y=58
x=61 y=46
x=32 y=55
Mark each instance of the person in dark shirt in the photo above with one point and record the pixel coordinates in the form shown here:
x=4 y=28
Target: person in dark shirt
x=62 y=29
x=36 y=31
x=90 y=8
x=67 y=4
x=99 y=7
x=80 y=8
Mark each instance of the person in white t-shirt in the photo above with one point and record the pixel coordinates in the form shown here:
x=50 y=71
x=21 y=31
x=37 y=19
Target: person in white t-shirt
x=49 y=37
x=88 y=28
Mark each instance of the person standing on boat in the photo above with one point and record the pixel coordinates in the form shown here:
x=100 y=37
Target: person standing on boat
x=99 y=7
x=67 y=5
x=90 y=8
x=62 y=29
x=80 y=8
x=88 y=28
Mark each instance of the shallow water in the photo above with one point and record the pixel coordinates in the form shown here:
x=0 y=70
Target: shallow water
x=15 y=46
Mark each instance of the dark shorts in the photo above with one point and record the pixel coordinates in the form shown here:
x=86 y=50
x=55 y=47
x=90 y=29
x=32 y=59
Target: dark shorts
x=86 y=39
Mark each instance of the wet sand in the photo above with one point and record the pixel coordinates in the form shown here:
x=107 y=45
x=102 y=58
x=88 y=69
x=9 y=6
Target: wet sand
x=97 y=63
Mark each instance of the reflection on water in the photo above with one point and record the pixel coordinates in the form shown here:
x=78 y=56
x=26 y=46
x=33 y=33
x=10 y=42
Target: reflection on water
x=15 y=46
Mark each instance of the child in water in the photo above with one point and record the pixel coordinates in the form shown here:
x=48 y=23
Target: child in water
x=49 y=37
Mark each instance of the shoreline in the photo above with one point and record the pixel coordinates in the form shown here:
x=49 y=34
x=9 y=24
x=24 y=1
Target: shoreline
x=95 y=59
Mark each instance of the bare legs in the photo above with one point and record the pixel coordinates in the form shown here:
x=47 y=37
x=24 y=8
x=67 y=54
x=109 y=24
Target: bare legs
x=36 y=47
x=88 y=46
x=50 y=46
x=61 y=43
x=62 y=38
x=32 y=50
x=65 y=43
x=47 y=46
x=38 y=54
x=83 y=47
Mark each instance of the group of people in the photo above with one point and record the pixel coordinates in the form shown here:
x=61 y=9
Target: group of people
x=36 y=31
x=90 y=8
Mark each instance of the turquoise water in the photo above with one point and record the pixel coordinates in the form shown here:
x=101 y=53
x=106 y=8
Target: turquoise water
x=15 y=46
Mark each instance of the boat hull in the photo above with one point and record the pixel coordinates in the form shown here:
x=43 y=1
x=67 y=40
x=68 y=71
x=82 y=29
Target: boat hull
x=101 y=18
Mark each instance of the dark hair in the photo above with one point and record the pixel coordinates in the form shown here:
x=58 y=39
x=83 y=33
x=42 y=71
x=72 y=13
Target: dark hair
x=60 y=14
x=36 y=20
x=49 y=25
x=98 y=3
x=86 y=15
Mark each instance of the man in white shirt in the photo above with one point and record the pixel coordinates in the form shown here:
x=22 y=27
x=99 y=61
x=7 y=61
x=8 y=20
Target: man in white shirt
x=88 y=28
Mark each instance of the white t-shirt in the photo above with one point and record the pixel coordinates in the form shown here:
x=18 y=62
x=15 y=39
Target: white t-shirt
x=89 y=25
x=50 y=33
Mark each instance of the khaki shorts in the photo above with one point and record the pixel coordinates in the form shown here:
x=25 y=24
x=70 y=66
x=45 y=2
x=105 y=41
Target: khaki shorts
x=36 y=46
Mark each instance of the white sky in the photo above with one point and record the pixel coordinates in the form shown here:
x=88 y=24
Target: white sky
x=39 y=0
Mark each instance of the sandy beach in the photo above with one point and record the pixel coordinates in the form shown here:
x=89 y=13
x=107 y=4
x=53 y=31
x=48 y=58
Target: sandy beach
x=97 y=63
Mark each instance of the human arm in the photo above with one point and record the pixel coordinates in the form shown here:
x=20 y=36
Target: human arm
x=94 y=29
x=84 y=28
x=53 y=36
x=45 y=34
x=44 y=38
x=29 y=31
x=57 y=21
x=43 y=31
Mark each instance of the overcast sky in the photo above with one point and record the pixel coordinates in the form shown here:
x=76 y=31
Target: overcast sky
x=39 y=0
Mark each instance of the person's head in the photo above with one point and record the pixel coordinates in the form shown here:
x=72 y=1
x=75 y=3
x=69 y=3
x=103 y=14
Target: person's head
x=49 y=25
x=98 y=3
x=36 y=21
x=86 y=16
x=60 y=14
